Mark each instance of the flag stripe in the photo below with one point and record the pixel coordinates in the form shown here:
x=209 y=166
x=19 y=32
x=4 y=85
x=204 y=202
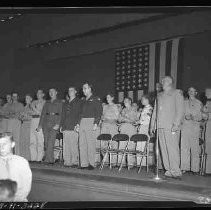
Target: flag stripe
x=180 y=68
x=168 y=57
x=162 y=60
x=174 y=59
x=151 y=67
x=157 y=62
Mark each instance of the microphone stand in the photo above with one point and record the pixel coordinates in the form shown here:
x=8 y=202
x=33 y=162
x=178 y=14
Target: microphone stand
x=157 y=178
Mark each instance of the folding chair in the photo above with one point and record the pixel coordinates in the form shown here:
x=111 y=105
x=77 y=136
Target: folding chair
x=145 y=153
x=59 y=147
x=106 y=138
x=111 y=151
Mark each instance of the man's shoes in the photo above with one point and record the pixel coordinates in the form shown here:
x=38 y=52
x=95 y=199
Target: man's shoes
x=90 y=167
x=74 y=166
x=168 y=174
x=195 y=173
x=80 y=167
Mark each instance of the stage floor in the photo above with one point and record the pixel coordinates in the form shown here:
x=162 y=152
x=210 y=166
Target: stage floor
x=57 y=183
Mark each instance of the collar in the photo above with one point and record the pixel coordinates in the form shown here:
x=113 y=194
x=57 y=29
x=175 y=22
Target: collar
x=72 y=100
x=8 y=157
x=90 y=98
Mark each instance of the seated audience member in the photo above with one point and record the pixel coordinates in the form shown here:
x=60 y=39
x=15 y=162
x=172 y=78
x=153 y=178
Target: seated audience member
x=144 y=122
x=8 y=189
x=127 y=119
x=109 y=123
x=14 y=167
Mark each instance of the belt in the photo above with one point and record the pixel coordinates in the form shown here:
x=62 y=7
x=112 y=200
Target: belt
x=35 y=116
x=52 y=113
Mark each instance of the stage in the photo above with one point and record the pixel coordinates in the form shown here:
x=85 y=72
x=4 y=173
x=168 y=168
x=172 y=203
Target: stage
x=58 y=183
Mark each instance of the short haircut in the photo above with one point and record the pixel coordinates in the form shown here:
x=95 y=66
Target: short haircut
x=169 y=77
x=110 y=94
x=192 y=88
x=89 y=84
x=53 y=88
x=7 y=134
x=28 y=94
x=8 y=184
x=73 y=88
x=130 y=99
x=148 y=97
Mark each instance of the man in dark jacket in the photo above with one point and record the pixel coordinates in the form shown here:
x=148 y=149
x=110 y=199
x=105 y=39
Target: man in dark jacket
x=70 y=118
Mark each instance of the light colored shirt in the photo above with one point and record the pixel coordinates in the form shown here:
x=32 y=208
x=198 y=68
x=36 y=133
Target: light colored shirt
x=37 y=106
x=194 y=108
x=145 y=115
x=110 y=112
x=207 y=110
x=128 y=115
x=170 y=109
x=16 y=109
x=17 y=168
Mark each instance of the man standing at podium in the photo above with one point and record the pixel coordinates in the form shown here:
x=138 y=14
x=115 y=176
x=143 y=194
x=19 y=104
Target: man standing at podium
x=170 y=112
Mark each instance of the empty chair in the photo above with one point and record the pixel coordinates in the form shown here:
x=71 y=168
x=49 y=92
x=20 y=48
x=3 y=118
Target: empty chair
x=106 y=138
x=114 y=151
x=141 y=153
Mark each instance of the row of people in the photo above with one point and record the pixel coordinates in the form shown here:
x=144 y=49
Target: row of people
x=82 y=120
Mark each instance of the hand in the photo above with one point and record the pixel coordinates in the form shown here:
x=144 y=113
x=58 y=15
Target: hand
x=60 y=130
x=188 y=117
x=56 y=127
x=95 y=127
x=175 y=128
x=38 y=129
x=76 y=128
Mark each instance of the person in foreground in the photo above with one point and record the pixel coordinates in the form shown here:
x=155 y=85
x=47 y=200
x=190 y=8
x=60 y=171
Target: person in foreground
x=14 y=167
x=8 y=189
x=170 y=112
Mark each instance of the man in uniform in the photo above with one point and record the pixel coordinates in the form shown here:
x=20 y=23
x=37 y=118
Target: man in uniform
x=37 y=138
x=14 y=124
x=70 y=118
x=49 y=122
x=190 y=133
x=169 y=118
x=88 y=130
x=207 y=117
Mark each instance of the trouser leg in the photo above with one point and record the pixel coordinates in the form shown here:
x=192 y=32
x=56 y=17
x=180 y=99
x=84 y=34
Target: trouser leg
x=50 y=142
x=36 y=141
x=185 y=147
x=70 y=142
x=40 y=145
x=83 y=145
x=195 y=149
x=170 y=151
x=14 y=128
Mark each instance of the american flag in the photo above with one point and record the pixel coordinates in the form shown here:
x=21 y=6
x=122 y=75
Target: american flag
x=139 y=68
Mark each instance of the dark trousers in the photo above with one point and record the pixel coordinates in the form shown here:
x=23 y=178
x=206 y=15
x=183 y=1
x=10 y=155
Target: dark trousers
x=49 y=142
